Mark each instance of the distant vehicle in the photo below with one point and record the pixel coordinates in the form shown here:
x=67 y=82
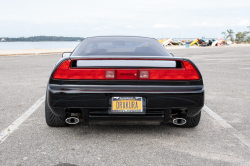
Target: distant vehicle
x=123 y=78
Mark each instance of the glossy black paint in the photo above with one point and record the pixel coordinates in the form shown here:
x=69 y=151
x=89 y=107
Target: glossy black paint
x=192 y=102
x=161 y=98
x=63 y=95
x=54 y=88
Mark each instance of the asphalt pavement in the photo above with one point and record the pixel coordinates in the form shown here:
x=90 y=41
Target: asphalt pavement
x=226 y=74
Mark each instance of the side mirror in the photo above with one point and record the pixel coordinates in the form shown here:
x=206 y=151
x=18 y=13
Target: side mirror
x=66 y=54
x=172 y=54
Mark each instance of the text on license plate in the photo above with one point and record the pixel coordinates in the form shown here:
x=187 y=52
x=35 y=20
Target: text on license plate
x=127 y=104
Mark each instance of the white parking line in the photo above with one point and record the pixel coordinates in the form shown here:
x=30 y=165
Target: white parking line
x=6 y=132
x=227 y=126
x=222 y=122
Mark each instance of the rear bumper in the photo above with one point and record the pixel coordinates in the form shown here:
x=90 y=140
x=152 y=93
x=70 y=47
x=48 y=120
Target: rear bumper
x=124 y=89
x=98 y=97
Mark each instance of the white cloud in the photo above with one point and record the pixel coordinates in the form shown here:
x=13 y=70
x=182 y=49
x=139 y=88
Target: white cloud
x=97 y=29
x=129 y=26
x=165 y=26
x=244 y=23
x=107 y=27
x=81 y=29
x=205 y=25
x=158 y=18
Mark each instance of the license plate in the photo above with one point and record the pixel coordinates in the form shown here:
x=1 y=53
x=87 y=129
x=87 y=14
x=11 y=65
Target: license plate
x=127 y=104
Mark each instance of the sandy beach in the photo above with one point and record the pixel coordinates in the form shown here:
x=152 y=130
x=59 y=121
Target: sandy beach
x=34 y=51
x=61 y=50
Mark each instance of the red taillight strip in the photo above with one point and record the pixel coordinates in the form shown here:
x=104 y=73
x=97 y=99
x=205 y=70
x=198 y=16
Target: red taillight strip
x=62 y=72
x=188 y=72
x=65 y=72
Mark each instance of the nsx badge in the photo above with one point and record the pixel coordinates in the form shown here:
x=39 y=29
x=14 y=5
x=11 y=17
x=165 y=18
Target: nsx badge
x=128 y=74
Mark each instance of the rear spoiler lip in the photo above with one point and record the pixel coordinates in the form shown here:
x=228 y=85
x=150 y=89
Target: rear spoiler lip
x=126 y=57
x=125 y=63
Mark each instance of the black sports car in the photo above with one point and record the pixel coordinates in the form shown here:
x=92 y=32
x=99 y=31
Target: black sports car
x=123 y=78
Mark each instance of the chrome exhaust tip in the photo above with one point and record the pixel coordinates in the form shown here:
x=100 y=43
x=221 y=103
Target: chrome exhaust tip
x=179 y=121
x=72 y=120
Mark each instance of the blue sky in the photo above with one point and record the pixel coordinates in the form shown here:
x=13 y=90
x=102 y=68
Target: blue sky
x=153 y=18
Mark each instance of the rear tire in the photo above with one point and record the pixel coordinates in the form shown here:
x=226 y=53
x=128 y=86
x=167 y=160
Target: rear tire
x=191 y=121
x=52 y=120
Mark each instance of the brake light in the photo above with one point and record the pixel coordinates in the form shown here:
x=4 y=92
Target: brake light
x=191 y=72
x=187 y=72
x=65 y=72
x=62 y=72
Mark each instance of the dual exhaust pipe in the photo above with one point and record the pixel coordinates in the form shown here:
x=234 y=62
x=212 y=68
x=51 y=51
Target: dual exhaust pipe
x=72 y=120
x=75 y=120
x=179 y=121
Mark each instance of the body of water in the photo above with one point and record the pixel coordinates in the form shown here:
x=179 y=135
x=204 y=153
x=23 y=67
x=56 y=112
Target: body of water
x=32 y=45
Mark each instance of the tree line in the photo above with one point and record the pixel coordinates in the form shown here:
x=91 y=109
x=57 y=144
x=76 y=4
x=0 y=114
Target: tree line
x=42 y=38
x=238 y=37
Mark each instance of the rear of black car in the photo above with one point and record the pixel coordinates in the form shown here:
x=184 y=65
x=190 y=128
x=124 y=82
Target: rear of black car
x=124 y=78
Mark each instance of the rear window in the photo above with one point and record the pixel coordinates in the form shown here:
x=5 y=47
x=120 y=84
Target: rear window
x=135 y=46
